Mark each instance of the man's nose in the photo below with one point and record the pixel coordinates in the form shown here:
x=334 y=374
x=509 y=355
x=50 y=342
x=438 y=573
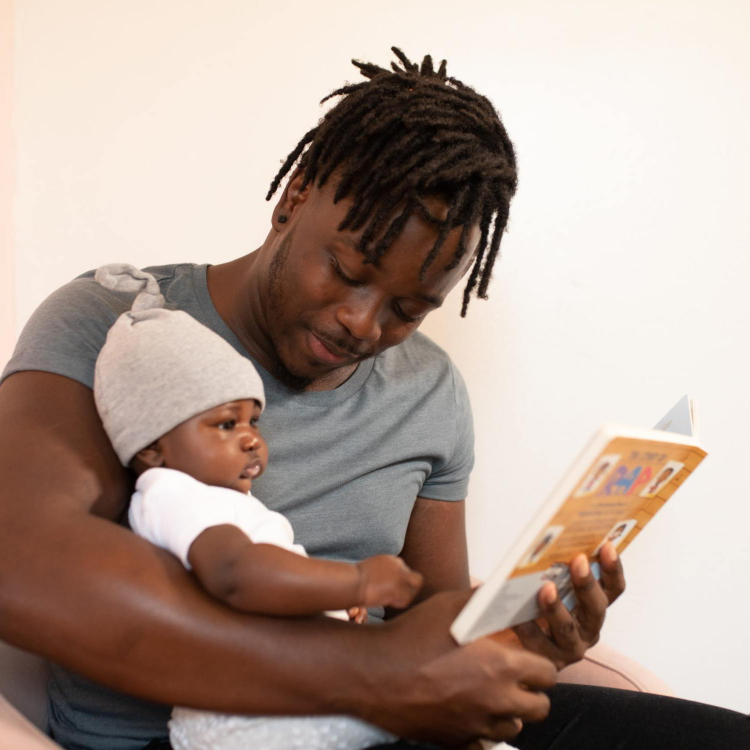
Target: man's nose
x=361 y=317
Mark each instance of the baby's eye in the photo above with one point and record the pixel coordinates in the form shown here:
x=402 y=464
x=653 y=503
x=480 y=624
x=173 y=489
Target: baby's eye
x=254 y=422
x=228 y=425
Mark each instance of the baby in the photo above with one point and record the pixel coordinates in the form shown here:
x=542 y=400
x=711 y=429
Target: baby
x=181 y=407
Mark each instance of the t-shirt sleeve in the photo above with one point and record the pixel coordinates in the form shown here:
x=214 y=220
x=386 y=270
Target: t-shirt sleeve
x=171 y=509
x=450 y=481
x=66 y=332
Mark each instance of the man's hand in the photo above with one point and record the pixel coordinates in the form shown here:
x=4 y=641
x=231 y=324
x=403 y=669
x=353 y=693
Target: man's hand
x=564 y=637
x=387 y=581
x=451 y=695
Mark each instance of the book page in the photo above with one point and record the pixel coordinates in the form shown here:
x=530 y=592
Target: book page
x=679 y=419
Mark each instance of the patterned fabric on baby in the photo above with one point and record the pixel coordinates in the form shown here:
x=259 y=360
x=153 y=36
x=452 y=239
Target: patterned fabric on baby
x=201 y=730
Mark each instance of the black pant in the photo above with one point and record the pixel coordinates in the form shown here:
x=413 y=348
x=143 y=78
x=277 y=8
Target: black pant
x=585 y=717
x=593 y=718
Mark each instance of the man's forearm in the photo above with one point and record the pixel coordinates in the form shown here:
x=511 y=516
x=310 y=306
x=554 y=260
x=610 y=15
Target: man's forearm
x=92 y=596
x=129 y=616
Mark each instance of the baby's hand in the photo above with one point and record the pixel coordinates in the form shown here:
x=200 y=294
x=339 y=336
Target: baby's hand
x=357 y=614
x=387 y=581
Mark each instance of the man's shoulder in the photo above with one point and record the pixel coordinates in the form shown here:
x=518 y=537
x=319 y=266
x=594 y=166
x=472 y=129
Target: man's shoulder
x=419 y=345
x=165 y=275
x=85 y=307
x=415 y=370
x=66 y=332
x=84 y=296
x=418 y=353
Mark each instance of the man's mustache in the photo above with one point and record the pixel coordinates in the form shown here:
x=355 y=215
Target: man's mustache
x=344 y=345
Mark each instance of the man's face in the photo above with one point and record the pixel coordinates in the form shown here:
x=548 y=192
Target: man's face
x=221 y=447
x=329 y=310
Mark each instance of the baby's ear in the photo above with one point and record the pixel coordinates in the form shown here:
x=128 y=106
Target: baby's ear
x=148 y=458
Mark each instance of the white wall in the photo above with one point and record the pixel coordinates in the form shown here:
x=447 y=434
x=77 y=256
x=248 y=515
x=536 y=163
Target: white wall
x=149 y=131
x=7 y=177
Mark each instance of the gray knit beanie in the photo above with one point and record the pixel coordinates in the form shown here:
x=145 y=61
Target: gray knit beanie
x=158 y=368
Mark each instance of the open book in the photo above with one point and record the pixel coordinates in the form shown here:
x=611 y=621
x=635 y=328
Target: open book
x=614 y=488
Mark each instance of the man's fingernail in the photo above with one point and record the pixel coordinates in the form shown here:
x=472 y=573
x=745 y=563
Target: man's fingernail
x=550 y=594
x=582 y=567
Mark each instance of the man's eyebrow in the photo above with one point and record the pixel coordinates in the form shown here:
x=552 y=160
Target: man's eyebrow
x=350 y=242
x=428 y=298
x=347 y=240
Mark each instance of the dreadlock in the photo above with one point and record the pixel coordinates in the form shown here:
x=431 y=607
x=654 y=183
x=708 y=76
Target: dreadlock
x=405 y=134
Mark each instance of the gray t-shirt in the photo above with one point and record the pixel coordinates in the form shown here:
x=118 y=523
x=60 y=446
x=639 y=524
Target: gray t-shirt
x=345 y=465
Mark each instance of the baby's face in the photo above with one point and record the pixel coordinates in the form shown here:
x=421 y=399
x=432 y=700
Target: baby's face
x=222 y=447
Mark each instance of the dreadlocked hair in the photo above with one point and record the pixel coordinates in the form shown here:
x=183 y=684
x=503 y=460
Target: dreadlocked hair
x=406 y=134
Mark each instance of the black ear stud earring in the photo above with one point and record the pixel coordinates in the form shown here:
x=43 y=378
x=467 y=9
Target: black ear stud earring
x=281 y=219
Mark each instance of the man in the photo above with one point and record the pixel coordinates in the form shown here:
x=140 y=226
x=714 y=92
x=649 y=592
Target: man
x=401 y=190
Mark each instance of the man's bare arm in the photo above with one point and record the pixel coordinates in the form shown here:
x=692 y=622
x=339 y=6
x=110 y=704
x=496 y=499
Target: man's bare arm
x=89 y=594
x=435 y=545
x=81 y=590
x=267 y=579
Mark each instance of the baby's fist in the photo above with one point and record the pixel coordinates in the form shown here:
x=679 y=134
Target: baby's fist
x=387 y=581
x=357 y=614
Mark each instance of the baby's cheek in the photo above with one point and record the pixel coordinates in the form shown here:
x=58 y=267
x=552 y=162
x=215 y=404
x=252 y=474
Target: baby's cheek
x=263 y=455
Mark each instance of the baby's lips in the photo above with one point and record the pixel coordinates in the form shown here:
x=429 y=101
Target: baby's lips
x=251 y=471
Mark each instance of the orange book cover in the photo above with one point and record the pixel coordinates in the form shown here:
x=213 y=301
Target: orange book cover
x=616 y=486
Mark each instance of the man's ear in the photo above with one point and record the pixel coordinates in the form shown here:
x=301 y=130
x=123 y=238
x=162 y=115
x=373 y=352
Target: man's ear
x=150 y=457
x=292 y=197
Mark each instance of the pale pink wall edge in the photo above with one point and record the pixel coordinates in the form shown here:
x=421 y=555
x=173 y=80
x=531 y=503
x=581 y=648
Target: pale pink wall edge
x=7 y=184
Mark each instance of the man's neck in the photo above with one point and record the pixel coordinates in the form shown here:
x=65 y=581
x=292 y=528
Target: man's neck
x=235 y=293
x=333 y=380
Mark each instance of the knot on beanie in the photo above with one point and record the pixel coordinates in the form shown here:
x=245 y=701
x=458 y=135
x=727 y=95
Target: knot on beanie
x=153 y=376
x=122 y=277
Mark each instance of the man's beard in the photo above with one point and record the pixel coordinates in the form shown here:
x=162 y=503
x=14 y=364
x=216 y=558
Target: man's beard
x=276 y=290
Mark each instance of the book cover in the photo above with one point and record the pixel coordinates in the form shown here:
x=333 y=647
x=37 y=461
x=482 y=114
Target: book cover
x=619 y=482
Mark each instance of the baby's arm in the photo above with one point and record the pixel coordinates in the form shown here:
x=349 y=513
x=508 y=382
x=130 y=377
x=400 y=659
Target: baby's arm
x=267 y=579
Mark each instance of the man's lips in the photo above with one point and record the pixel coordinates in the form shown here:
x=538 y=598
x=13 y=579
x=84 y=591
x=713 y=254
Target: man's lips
x=326 y=352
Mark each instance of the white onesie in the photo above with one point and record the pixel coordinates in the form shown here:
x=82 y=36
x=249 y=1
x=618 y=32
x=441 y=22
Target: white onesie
x=170 y=509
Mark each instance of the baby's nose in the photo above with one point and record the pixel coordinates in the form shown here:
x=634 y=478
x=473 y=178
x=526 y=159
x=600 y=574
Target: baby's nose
x=249 y=442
